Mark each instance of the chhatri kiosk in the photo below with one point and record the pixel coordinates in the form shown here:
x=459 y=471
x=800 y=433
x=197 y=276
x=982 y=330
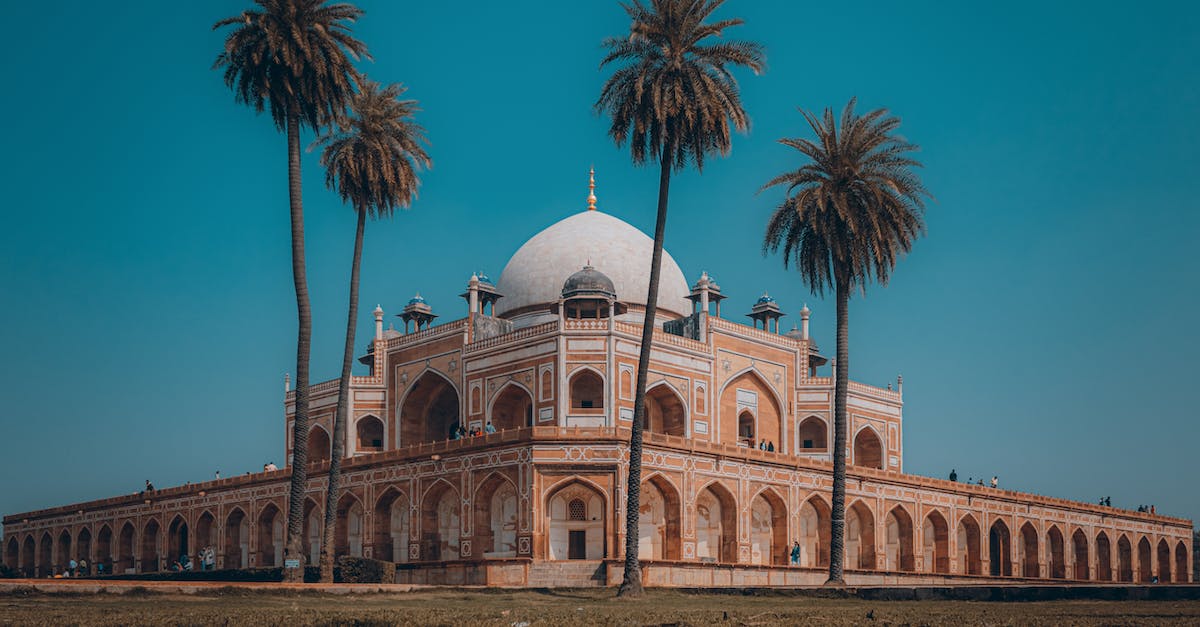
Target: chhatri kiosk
x=548 y=355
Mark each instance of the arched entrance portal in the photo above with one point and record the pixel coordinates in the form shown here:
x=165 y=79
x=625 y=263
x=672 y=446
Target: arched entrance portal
x=270 y=536
x=430 y=410
x=1124 y=560
x=125 y=550
x=898 y=551
x=12 y=554
x=749 y=412
x=658 y=520
x=28 y=564
x=205 y=536
x=314 y=524
x=496 y=517
x=512 y=409
x=868 y=449
x=813 y=435
x=1145 y=571
x=104 y=554
x=814 y=533
x=237 y=539
x=665 y=411
x=392 y=526
x=1103 y=558
x=369 y=430
x=768 y=529
x=935 y=539
x=64 y=548
x=716 y=525
x=1000 y=550
x=318 y=445
x=441 y=523
x=1080 y=545
x=1181 y=563
x=150 y=547
x=348 y=528
x=45 y=555
x=177 y=540
x=83 y=546
x=860 y=537
x=576 y=523
x=968 y=556
x=1164 y=561
x=1054 y=553
x=1029 y=555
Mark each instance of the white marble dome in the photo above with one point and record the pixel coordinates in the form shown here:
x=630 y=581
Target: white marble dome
x=535 y=274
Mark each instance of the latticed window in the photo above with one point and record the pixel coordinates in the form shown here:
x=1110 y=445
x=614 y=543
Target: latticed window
x=577 y=510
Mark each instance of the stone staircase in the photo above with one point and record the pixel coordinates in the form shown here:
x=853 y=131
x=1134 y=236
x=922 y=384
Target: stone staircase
x=568 y=574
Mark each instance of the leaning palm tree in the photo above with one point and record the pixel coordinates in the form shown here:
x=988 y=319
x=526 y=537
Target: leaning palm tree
x=851 y=210
x=293 y=58
x=371 y=158
x=673 y=98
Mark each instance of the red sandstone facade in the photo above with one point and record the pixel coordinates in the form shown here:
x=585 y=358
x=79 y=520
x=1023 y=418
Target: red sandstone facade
x=541 y=500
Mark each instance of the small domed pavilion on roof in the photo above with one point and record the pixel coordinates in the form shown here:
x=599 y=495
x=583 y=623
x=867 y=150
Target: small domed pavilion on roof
x=493 y=450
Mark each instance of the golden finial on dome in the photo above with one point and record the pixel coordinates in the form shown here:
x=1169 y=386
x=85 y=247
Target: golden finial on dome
x=592 y=189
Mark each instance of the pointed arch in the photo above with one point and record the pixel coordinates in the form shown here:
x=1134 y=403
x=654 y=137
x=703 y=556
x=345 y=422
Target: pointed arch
x=12 y=553
x=319 y=445
x=1055 y=551
x=968 y=556
x=104 y=552
x=935 y=536
x=45 y=554
x=868 y=448
x=768 y=528
x=83 y=544
x=767 y=409
x=1079 y=546
x=314 y=524
x=716 y=523
x=1164 y=561
x=815 y=532
x=812 y=435
x=511 y=407
x=1103 y=558
x=441 y=522
x=65 y=548
x=370 y=434
x=576 y=512
x=586 y=388
x=1181 y=563
x=898 y=541
x=178 y=539
x=659 y=516
x=496 y=518
x=150 y=546
x=1144 y=562
x=429 y=409
x=271 y=535
x=1028 y=552
x=1124 y=559
x=125 y=544
x=1000 y=549
x=29 y=556
x=393 y=525
x=860 y=536
x=348 y=526
x=237 y=538
x=666 y=409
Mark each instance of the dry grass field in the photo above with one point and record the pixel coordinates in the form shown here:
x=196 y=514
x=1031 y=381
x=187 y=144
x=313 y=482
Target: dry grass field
x=567 y=607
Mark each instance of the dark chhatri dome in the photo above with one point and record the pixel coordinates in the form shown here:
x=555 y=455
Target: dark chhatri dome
x=589 y=282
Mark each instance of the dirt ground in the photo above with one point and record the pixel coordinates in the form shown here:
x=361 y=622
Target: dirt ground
x=552 y=607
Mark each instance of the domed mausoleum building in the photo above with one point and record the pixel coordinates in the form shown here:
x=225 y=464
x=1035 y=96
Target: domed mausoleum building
x=737 y=461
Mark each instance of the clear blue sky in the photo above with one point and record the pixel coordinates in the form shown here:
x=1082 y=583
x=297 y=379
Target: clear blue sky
x=1044 y=327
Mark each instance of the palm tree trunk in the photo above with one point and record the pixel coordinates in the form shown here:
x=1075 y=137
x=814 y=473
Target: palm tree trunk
x=343 y=408
x=303 y=344
x=837 y=527
x=631 y=586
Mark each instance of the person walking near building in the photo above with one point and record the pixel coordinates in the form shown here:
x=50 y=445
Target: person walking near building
x=796 y=553
x=953 y=475
x=995 y=481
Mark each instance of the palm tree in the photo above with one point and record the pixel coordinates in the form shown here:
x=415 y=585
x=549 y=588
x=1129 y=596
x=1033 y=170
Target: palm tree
x=673 y=98
x=849 y=213
x=371 y=158
x=293 y=57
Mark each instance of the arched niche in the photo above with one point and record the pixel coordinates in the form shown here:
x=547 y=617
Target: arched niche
x=512 y=408
x=812 y=435
x=658 y=520
x=868 y=449
x=898 y=534
x=1000 y=549
x=814 y=533
x=319 y=449
x=271 y=536
x=369 y=435
x=587 y=389
x=969 y=556
x=576 y=523
x=768 y=529
x=716 y=524
x=666 y=412
x=496 y=516
x=1028 y=553
x=392 y=531
x=429 y=411
x=935 y=541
